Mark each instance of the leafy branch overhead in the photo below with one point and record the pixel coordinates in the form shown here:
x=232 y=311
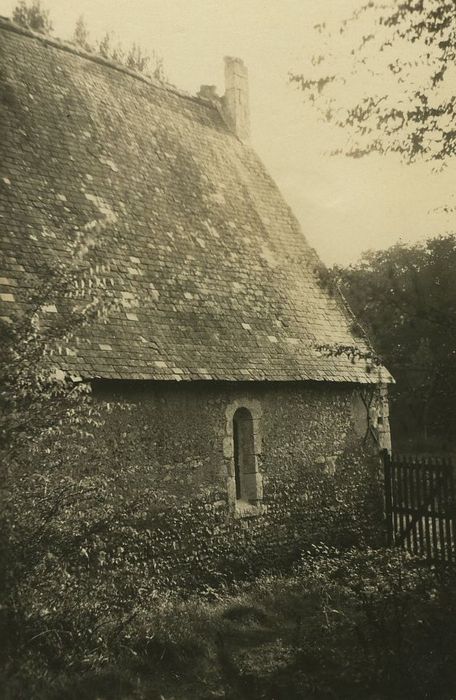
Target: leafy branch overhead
x=388 y=73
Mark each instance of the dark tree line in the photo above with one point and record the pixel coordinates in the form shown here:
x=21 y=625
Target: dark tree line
x=405 y=298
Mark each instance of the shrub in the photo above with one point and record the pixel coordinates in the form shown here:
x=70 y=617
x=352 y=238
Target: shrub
x=359 y=623
x=88 y=557
x=351 y=624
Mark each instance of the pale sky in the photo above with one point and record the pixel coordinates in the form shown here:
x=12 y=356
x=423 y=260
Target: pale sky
x=344 y=206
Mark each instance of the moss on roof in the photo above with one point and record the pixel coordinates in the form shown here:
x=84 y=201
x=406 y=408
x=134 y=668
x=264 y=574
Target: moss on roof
x=211 y=274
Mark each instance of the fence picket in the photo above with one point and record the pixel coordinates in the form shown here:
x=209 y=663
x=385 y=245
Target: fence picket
x=413 y=506
x=400 y=499
x=441 y=510
x=451 y=511
x=435 y=546
x=425 y=509
x=406 y=503
x=420 y=496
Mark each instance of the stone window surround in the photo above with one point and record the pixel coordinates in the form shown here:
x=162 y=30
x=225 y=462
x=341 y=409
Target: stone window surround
x=242 y=508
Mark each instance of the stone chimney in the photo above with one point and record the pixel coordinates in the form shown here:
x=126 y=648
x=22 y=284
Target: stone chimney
x=235 y=102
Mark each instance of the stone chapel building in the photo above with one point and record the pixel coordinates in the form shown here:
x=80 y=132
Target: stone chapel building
x=220 y=331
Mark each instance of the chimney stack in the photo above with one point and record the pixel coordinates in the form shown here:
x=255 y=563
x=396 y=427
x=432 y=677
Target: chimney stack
x=236 y=98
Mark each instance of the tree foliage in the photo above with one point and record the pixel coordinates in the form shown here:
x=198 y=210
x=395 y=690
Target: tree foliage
x=406 y=299
x=387 y=72
x=81 y=34
x=32 y=15
x=133 y=57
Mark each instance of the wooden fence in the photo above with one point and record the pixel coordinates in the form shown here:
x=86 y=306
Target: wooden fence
x=420 y=505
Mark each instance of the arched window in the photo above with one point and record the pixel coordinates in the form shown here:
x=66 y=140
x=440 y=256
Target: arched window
x=245 y=464
x=242 y=448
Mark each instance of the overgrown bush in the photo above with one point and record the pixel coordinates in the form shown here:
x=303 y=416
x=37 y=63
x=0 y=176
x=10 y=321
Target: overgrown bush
x=86 y=557
x=372 y=623
x=361 y=623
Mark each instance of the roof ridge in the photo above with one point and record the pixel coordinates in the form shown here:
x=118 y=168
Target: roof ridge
x=8 y=24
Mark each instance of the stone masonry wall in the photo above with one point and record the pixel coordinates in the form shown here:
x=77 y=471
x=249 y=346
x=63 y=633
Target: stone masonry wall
x=181 y=431
x=315 y=480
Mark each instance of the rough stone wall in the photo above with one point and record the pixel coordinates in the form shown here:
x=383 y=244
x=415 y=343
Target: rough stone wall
x=182 y=430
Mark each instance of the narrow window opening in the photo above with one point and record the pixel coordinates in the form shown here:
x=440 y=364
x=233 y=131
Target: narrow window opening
x=237 y=471
x=244 y=455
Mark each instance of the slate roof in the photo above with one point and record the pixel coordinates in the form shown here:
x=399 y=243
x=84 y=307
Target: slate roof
x=210 y=273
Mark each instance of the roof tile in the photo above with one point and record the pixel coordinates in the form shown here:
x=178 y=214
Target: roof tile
x=180 y=220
